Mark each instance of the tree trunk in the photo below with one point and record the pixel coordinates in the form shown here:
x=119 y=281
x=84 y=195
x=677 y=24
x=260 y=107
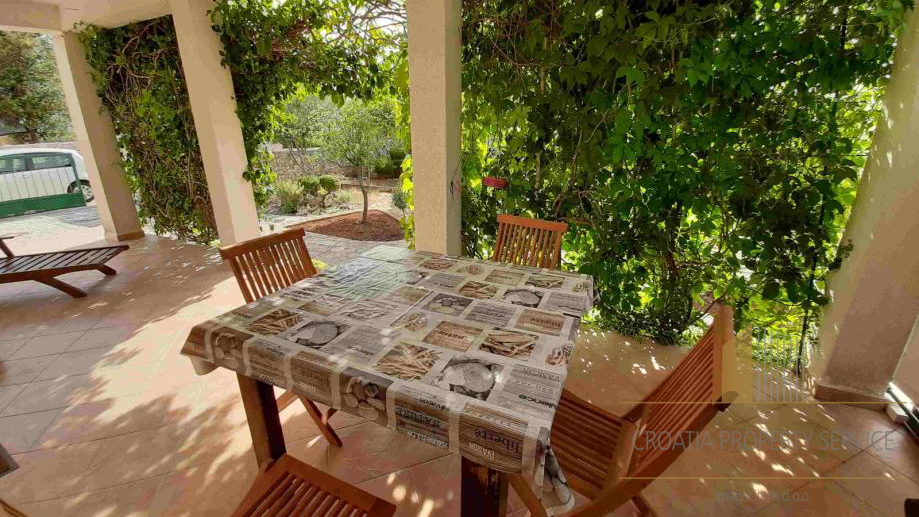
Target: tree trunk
x=360 y=180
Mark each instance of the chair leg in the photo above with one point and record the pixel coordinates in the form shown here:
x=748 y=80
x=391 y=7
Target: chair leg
x=286 y=399
x=106 y=270
x=644 y=508
x=321 y=423
x=533 y=504
x=57 y=284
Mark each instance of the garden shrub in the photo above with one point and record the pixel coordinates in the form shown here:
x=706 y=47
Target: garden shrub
x=289 y=194
x=700 y=151
x=399 y=200
x=309 y=185
x=330 y=185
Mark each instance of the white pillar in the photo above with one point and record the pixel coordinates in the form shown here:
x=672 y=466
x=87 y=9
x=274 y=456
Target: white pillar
x=434 y=82
x=96 y=138
x=875 y=294
x=213 y=106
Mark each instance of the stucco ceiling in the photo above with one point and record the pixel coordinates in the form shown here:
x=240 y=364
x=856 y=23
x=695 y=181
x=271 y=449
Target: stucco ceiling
x=108 y=13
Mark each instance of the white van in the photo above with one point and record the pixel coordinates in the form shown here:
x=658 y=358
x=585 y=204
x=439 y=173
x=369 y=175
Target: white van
x=29 y=172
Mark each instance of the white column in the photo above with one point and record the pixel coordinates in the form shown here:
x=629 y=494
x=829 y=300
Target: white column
x=213 y=106
x=96 y=138
x=875 y=294
x=434 y=82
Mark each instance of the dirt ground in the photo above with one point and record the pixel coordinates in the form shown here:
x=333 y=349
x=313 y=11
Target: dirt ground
x=380 y=226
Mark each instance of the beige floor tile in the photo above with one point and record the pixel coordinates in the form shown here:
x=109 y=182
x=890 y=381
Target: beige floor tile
x=208 y=490
x=8 y=393
x=48 y=474
x=879 y=485
x=863 y=426
x=8 y=347
x=900 y=451
x=372 y=450
x=22 y=371
x=95 y=359
x=810 y=444
x=20 y=432
x=103 y=337
x=122 y=415
x=130 y=500
x=397 y=488
x=161 y=450
x=820 y=499
x=51 y=344
x=77 y=389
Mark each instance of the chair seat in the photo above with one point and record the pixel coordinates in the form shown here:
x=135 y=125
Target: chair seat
x=584 y=439
x=291 y=488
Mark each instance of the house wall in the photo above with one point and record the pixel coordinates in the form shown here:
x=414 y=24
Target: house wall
x=875 y=294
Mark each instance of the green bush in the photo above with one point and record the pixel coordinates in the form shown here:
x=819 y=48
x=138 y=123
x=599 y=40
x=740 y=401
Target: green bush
x=330 y=185
x=289 y=194
x=399 y=200
x=309 y=185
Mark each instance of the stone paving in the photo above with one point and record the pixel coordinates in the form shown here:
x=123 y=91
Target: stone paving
x=83 y=222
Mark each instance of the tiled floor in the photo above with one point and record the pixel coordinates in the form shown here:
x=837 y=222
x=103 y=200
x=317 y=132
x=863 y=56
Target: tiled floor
x=106 y=419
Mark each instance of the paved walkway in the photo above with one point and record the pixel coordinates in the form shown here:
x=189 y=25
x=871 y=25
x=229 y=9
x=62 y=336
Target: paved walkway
x=73 y=226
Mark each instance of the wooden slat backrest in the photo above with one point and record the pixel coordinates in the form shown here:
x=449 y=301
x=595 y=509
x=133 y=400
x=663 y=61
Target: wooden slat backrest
x=684 y=402
x=292 y=488
x=677 y=410
x=529 y=242
x=266 y=264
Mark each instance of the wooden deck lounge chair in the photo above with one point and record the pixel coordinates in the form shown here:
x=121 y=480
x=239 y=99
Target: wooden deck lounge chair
x=290 y=488
x=45 y=267
x=529 y=242
x=599 y=452
x=264 y=265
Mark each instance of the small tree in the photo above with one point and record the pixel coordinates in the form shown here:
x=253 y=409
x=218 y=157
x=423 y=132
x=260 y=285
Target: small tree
x=31 y=98
x=361 y=137
x=303 y=122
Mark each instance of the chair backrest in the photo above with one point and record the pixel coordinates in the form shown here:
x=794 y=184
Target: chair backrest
x=266 y=264
x=684 y=403
x=529 y=242
x=671 y=417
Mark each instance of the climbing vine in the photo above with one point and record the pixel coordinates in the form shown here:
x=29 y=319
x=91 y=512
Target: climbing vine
x=138 y=74
x=700 y=151
x=275 y=49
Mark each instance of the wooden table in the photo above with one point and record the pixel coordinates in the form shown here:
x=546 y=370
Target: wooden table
x=466 y=355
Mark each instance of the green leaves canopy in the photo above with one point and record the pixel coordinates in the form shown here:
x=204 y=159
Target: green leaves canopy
x=700 y=151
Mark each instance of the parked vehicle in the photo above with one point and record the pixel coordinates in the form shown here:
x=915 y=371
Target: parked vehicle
x=38 y=172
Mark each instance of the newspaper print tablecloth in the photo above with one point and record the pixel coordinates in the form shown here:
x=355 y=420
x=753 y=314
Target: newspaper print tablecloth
x=459 y=353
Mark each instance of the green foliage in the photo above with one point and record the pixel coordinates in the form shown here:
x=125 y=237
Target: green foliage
x=362 y=135
x=700 y=151
x=139 y=77
x=276 y=50
x=399 y=201
x=309 y=185
x=304 y=119
x=31 y=100
x=329 y=183
x=289 y=194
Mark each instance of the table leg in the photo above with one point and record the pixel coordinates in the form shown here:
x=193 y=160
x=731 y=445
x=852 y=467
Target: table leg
x=262 y=415
x=483 y=491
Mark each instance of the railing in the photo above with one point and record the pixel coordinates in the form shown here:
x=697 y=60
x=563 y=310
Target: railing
x=780 y=364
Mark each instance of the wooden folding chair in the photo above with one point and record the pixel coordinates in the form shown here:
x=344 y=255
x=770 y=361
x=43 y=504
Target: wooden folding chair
x=599 y=452
x=529 y=242
x=290 y=488
x=265 y=265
